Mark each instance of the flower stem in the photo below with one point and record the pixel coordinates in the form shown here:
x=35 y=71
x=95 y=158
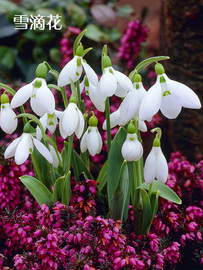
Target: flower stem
x=78 y=95
x=108 y=124
x=65 y=100
x=70 y=149
x=150 y=190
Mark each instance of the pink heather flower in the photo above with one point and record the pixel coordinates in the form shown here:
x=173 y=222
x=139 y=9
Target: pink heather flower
x=131 y=42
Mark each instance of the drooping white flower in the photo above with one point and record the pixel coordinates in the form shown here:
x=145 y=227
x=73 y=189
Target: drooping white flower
x=55 y=156
x=156 y=166
x=71 y=121
x=73 y=69
x=23 y=146
x=41 y=98
x=96 y=97
x=91 y=141
x=113 y=81
x=132 y=149
x=129 y=108
x=8 y=121
x=48 y=121
x=168 y=96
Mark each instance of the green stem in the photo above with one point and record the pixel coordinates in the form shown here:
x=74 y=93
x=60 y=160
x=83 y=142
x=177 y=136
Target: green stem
x=108 y=124
x=78 y=95
x=65 y=100
x=70 y=149
x=150 y=190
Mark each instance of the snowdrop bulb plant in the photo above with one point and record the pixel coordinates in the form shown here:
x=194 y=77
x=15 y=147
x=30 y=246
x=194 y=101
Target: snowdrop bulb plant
x=122 y=179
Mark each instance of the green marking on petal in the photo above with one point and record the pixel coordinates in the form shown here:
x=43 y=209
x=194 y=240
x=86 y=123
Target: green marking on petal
x=132 y=138
x=30 y=150
x=111 y=71
x=51 y=123
x=37 y=84
x=137 y=86
x=3 y=106
x=162 y=79
x=166 y=93
x=77 y=73
x=78 y=62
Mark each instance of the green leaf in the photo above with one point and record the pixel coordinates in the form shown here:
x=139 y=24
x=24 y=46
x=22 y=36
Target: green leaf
x=58 y=189
x=146 y=211
x=115 y=162
x=7 y=57
x=62 y=190
x=102 y=177
x=78 y=165
x=154 y=204
x=54 y=87
x=120 y=195
x=164 y=191
x=94 y=33
x=77 y=41
x=124 y=11
x=145 y=63
x=66 y=192
x=38 y=189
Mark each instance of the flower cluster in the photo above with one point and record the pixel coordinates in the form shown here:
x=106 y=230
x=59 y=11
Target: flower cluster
x=135 y=35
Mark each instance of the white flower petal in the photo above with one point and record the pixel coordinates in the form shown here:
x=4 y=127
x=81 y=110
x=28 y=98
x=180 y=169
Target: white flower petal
x=22 y=95
x=120 y=92
x=39 y=110
x=69 y=70
x=114 y=119
x=70 y=119
x=91 y=75
x=107 y=84
x=129 y=107
x=52 y=122
x=142 y=126
x=162 y=167
x=96 y=98
x=170 y=106
x=54 y=156
x=58 y=114
x=24 y=148
x=10 y=150
x=151 y=102
x=43 y=121
x=141 y=91
x=8 y=122
x=81 y=123
x=93 y=141
x=187 y=96
x=44 y=98
x=123 y=80
x=41 y=148
x=150 y=167
x=132 y=149
x=83 y=143
x=61 y=130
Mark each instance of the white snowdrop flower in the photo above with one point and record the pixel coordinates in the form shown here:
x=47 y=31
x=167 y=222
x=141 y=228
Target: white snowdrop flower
x=23 y=146
x=156 y=165
x=168 y=96
x=8 y=121
x=113 y=81
x=48 y=121
x=132 y=149
x=73 y=69
x=55 y=157
x=114 y=119
x=91 y=139
x=71 y=121
x=41 y=98
x=96 y=97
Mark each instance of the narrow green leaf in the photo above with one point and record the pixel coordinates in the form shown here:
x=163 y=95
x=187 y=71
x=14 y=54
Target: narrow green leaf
x=58 y=189
x=164 y=191
x=38 y=189
x=154 y=204
x=66 y=192
x=115 y=161
x=120 y=195
x=54 y=87
x=77 y=41
x=146 y=211
x=78 y=165
x=54 y=73
x=102 y=177
x=145 y=63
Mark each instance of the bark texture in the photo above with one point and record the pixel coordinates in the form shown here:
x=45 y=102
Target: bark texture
x=182 y=39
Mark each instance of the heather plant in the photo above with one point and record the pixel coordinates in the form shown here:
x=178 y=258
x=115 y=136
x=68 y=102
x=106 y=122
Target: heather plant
x=122 y=180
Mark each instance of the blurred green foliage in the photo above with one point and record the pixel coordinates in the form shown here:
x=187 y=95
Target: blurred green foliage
x=22 y=50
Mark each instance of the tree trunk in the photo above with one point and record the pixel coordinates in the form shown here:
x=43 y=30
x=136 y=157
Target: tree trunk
x=181 y=39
